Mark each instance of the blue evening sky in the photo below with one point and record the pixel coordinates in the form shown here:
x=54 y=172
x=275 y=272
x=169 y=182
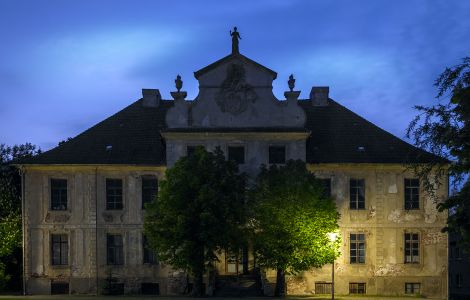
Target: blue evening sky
x=66 y=65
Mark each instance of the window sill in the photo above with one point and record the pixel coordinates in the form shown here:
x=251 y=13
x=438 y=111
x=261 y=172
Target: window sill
x=62 y=267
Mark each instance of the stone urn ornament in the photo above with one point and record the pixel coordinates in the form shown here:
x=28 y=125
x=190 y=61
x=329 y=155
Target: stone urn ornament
x=178 y=83
x=291 y=82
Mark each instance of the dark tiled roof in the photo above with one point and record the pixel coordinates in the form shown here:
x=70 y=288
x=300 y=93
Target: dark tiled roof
x=133 y=134
x=341 y=136
x=227 y=58
x=337 y=136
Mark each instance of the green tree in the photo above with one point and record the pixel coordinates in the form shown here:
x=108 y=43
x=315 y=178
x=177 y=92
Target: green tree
x=198 y=212
x=444 y=129
x=291 y=220
x=10 y=210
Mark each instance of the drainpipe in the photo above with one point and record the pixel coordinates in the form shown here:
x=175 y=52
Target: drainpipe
x=23 y=227
x=96 y=229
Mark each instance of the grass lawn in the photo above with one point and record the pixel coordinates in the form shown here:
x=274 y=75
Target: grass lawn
x=139 y=297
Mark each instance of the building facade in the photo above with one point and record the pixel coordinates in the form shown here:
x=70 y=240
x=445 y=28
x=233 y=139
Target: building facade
x=83 y=200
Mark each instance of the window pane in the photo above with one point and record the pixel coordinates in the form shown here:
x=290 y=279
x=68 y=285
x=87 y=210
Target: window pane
x=237 y=154
x=58 y=194
x=277 y=154
x=149 y=189
x=113 y=194
x=326 y=183
x=59 y=249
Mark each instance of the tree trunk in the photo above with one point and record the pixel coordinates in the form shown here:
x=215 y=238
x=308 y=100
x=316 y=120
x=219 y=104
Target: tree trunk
x=280 y=283
x=198 y=288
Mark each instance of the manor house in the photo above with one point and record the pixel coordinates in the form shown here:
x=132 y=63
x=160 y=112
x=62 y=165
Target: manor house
x=84 y=200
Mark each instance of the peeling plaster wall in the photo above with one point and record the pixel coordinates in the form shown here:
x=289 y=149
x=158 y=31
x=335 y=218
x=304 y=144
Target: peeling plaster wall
x=87 y=224
x=384 y=222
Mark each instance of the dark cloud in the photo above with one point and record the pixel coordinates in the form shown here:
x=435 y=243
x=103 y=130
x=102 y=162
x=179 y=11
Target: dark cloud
x=68 y=65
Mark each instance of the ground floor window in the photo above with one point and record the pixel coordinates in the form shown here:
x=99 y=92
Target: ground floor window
x=412 y=288
x=150 y=288
x=357 y=288
x=59 y=288
x=322 y=287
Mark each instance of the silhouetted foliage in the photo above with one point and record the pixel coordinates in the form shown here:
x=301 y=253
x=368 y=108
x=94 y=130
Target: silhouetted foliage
x=10 y=212
x=199 y=212
x=444 y=129
x=291 y=220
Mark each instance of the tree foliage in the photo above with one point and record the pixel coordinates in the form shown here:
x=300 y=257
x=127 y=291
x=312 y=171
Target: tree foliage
x=291 y=220
x=444 y=129
x=198 y=212
x=10 y=204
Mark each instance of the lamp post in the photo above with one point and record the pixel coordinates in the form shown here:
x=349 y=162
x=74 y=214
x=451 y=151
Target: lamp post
x=332 y=236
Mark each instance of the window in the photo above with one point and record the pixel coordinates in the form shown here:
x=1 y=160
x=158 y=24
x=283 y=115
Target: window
x=411 y=248
x=357 y=248
x=237 y=154
x=149 y=189
x=326 y=183
x=458 y=280
x=59 y=288
x=150 y=288
x=113 y=194
x=59 y=249
x=411 y=193
x=191 y=149
x=149 y=254
x=322 y=287
x=357 y=288
x=58 y=194
x=357 y=194
x=457 y=253
x=277 y=154
x=114 y=249
x=412 y=288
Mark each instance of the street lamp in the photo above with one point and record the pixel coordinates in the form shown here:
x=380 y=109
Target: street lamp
x=333 y=236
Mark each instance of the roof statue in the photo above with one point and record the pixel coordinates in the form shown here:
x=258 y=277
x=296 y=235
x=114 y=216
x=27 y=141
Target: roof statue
x=178 y=83
x=291 y=82
x=235 y=36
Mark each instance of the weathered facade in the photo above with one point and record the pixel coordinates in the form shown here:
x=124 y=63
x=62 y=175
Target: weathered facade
x=84 y=199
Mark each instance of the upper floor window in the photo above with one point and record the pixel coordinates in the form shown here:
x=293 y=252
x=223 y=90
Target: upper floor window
x=59 y=249
x=113 y=193
x=58 y=194
x=237 y=154
x=357 y=248
x=411 y=193
x=149 y=254
x=326 y=183
x=191 y=149
x=114 y=249
x=149 y=189
x=411 y=248
x=357 y=194
x=277 y=154
x=458 y=280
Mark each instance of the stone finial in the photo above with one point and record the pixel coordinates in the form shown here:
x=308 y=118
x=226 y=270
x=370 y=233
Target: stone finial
x=178 y=83
x=178 y=95
x=151 y=97
x=319 y=95
x=291 y=95
x=235 y=37
x=291 y=82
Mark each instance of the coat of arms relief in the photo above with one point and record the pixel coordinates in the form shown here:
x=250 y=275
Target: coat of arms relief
x=235 y=94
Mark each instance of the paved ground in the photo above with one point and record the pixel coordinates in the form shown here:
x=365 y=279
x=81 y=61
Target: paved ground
x=56 y=297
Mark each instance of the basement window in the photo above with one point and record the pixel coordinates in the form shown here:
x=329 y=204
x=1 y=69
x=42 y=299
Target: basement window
x=59 y=288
